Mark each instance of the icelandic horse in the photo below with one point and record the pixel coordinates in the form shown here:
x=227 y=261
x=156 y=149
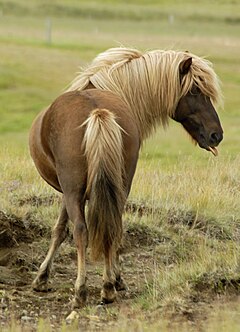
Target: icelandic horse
x=86 y=145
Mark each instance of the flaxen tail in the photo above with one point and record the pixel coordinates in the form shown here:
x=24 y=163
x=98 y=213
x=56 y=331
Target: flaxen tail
x=104 y=153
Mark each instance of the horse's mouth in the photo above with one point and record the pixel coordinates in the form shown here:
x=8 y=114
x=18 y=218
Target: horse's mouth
x=213 y=149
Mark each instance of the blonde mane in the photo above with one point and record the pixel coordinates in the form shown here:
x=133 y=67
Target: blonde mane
x=149 y=82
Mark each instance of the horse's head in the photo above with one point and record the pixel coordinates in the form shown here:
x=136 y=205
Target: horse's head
x=198 y=116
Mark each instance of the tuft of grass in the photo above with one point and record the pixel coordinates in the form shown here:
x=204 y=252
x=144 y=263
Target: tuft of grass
x=198 y=275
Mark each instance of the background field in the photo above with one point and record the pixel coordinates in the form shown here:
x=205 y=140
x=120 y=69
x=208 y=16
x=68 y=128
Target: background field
x=193 y=198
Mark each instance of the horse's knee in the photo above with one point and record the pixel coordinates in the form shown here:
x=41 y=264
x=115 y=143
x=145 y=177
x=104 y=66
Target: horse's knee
x=80 y=232
x=80 y=227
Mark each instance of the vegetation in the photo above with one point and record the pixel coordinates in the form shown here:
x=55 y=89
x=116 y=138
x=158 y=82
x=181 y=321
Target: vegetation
x=181 y=193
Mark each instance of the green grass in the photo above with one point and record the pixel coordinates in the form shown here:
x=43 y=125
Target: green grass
x=34 y=72
x=176 y=179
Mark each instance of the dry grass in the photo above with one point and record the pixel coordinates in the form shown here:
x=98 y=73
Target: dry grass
x=210 y=190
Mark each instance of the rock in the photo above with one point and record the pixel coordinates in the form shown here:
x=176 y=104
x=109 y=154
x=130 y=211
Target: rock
x=3 y=304
x=26 y=319
x=100 y=309
x=72 y=317
x=24 y=313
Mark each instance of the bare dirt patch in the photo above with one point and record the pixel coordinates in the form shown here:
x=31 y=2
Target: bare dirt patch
x=23 y=246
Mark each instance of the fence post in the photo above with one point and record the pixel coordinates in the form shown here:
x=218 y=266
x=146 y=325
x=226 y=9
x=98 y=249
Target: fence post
x=171 y=19
x=48 y=31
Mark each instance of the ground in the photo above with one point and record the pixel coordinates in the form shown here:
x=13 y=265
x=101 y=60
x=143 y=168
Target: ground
x=23 y=245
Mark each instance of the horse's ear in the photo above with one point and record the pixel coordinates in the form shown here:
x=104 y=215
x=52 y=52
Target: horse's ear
x=185 y=66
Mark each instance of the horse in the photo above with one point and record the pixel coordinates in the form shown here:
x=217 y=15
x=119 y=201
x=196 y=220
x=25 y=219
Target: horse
x=86 y=145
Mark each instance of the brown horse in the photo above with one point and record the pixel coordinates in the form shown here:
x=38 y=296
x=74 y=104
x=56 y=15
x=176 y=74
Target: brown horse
x=86 y=145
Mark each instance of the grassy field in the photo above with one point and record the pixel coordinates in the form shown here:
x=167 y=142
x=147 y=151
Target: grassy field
x=193 y=197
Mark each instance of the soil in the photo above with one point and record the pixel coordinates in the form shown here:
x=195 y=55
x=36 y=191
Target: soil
x=23 y=246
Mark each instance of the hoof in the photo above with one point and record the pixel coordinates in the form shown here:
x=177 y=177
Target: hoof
x=108 y=293
x=77 y=303
x=40 y=286
x=106 y=301
x=120 y=285
x=80 y=298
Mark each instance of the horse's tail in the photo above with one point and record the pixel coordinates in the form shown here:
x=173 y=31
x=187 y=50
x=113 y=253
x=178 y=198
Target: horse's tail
x=104 y=153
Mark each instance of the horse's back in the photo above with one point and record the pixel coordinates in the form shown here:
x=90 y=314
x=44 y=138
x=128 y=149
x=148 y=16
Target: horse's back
x=56 y=138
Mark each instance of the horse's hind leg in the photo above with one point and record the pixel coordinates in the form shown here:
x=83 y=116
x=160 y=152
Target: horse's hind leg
x=59 y=234
x=75 y=207
x=119 y=282
x=108 y=293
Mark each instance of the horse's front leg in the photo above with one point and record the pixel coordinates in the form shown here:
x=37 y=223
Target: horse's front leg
x=59 y=234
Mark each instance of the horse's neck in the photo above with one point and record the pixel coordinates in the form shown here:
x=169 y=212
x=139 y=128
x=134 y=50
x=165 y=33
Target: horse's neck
x=147 y=121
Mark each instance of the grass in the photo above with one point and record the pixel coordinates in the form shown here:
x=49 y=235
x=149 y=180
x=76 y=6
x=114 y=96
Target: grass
x=194 y=198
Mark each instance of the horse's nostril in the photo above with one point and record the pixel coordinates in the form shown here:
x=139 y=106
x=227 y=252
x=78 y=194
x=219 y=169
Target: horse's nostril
x=215 y=138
